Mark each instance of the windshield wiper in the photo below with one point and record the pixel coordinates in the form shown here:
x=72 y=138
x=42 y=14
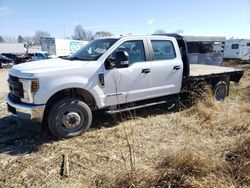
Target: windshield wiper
x=77 y=58
x=64 y=57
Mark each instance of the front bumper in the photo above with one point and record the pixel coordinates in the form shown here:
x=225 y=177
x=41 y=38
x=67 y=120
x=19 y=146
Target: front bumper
x=28 y=112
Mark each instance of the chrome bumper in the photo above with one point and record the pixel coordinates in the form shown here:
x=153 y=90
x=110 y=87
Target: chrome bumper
x=28 y=112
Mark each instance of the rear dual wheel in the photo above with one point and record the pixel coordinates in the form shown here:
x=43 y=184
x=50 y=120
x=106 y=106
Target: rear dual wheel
x=221 y=91
x=69 y=117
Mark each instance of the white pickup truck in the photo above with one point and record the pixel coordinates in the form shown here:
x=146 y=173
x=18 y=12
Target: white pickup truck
x=113 y=74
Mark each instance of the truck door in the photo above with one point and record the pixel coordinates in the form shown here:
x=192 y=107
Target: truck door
x=167 y=68
x=123 y=85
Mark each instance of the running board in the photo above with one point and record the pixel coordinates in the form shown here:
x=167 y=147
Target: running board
x=135 y=107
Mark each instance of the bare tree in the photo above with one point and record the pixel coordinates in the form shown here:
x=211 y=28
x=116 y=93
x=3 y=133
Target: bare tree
x=28 y=40
x=79 y=33
x=160 y=31
x=20 y=39
x=89 y=35
x=1 y=39
x=82 y=34
x=178 y=31
x=102 y=34
x=10 y=39
x=38 y=35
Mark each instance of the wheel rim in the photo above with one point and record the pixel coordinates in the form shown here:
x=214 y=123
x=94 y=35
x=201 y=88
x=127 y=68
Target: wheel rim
x=220 y=92
x=71 y=120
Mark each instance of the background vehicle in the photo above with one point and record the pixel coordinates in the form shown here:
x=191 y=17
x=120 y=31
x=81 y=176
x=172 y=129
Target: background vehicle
x=5 y=61
x=18 y=52
x=13 y=48
x=40 y=56
x=237 y=49
x=113 y=74
x=61 y=47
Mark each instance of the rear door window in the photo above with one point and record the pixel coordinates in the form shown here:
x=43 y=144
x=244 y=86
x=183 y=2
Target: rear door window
x=163 y=50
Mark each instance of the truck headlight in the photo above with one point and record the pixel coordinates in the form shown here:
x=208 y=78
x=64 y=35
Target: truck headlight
x=30 y=87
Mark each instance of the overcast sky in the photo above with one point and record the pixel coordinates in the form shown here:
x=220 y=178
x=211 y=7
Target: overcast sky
x=230 y=18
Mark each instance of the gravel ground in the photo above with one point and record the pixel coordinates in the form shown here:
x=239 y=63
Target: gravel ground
x=2 y=105
x=3 y=83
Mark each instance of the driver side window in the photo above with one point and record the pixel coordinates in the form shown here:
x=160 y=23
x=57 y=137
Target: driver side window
x=134 y=48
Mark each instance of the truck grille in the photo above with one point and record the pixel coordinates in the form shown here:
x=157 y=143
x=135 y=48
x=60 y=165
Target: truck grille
x=16 y=88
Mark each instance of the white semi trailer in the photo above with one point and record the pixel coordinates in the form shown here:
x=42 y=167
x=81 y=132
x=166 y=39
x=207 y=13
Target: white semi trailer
x=61 y=47
x=13 y=48
x=237 y=49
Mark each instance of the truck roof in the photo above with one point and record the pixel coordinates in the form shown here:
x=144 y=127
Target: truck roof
x=195 y=38
x=137 y=36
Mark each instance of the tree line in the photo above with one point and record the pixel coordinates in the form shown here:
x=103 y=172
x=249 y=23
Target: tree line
x=79 y=34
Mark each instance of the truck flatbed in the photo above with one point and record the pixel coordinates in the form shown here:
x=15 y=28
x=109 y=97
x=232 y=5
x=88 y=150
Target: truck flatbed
x=205 y=71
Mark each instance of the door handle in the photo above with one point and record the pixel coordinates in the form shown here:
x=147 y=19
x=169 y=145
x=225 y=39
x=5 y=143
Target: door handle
x=145 y=71
x=176 y=67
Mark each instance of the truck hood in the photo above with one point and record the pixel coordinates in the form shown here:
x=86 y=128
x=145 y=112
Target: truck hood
x=30 y=69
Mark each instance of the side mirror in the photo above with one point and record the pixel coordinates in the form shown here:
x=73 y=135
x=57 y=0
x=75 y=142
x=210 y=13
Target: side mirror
x=121 y=59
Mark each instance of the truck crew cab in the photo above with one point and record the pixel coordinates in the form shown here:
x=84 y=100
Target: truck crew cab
x=114 y=74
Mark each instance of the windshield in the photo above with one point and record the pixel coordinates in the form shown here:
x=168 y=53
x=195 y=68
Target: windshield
x=93 y=50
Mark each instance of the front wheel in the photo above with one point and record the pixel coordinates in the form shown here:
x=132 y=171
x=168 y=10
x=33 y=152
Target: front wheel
x=69 y=117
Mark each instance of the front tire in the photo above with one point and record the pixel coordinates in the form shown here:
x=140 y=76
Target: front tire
x=69 y=117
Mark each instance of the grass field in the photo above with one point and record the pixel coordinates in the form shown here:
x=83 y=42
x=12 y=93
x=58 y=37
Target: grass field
x=207 y=145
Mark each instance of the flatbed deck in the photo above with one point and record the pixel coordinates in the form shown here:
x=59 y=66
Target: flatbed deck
x=208 y=71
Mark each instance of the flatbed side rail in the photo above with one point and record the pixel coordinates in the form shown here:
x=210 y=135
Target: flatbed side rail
x=235 y=76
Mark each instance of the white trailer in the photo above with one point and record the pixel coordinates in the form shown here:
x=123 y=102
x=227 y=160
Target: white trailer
x=61 y=47
x=237 y=49
x=13 y=48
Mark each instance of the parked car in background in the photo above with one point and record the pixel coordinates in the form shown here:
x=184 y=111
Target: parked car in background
x=18 y=58
x=5 y=61
x=40 y=56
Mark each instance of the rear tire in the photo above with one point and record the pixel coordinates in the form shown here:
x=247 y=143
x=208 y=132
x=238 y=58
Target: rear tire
x=220 y=91
x=69 y=117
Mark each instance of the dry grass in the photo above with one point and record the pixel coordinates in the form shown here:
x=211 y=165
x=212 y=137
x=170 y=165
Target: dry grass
x=207 y=145
x=3 y=81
